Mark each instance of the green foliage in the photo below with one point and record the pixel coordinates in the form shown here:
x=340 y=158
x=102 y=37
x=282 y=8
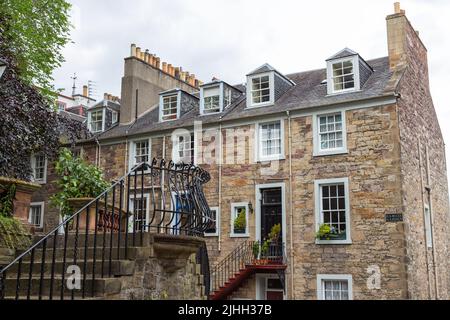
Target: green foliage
x=275 y=232
x=78 y=179
x=7 y=200
x=326 y=232
x=36 y=31
x=265 y=247
x=12 y=234
x=240 y=222
x=255 y=249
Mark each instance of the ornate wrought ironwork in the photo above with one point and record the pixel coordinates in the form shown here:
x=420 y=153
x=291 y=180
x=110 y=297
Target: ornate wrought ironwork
x=156 y=197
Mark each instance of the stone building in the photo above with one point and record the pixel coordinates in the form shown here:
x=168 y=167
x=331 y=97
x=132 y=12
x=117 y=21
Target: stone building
x=355 y=146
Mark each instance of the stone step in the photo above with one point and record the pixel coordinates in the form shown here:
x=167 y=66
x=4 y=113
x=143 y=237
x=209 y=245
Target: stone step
x=131 y=253
x=101 y=287
x=118 y=268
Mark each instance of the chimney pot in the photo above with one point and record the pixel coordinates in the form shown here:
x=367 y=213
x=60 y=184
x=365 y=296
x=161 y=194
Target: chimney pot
x=157 y=62
x=85 y=91
x=105 y=96
x=164 y=66
x=133 y=50
x=177 y=72
x=397 y=7
x=138 y=52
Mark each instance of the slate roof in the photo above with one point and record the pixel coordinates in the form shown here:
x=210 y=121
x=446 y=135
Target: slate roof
x=110 y=104
x=72 y=116
x=346 y=52
x=309 y=92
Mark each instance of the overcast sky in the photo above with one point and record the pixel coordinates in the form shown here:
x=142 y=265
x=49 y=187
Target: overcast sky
x=229 y=38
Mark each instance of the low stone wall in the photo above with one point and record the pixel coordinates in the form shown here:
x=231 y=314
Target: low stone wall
x=167 y=270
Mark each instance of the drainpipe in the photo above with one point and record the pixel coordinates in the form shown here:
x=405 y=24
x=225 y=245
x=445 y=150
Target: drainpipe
x=163 y=177
x=291 y=209
x=220 y=182
x=97 y=154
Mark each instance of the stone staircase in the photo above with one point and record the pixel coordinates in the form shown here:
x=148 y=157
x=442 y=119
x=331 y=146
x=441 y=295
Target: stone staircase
x=103 y=274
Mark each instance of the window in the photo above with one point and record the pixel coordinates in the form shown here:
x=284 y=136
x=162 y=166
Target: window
x=343 y=75
x=115 y=116
x=39 y=168
x=332 y=210
x=184 y=148
x=428 y=231
x=36 y=214
x=140 y=152
x=330 y=134
x=183 y=206
x=334 y=287
x=140 y=209
x=61 y=105
x=270 y=141
x=227 y=98
x=239 y=220
x=169 y=108
x=211 y=99
x=96 y=121
x=213 y=228
x=260 y=89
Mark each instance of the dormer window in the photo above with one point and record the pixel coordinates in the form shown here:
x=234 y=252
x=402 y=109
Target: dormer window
x=95 y=120
x=265 y=86
x=211 y=100
x=260 y=90
x=216 y=96
x=169 y=107
x=343 y=75
x=346 y=72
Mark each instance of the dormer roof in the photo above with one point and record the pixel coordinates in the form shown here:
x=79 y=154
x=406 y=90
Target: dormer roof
x=268 y=68
x=346 y=52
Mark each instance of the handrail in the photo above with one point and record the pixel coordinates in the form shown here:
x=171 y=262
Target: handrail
x=178 y=207
x=247 y=253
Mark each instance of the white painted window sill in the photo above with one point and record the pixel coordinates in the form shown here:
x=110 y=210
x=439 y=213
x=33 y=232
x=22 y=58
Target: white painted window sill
x=243 y=235
x=333 y=241
x=330 y=153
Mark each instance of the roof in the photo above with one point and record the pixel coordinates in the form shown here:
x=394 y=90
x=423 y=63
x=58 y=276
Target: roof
x=110 y=104
x=346 y=52
x=267 y=68
x=308 y=92
x=72 y=116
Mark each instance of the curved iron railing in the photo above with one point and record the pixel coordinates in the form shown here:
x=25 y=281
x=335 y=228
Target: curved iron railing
x=155 y=197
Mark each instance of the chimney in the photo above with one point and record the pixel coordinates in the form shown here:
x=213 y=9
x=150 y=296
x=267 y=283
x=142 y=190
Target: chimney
x=164 y=66
x=105 y=96
x=138 y=52
x=133 y=50
x=404 y=44
x=85 y=91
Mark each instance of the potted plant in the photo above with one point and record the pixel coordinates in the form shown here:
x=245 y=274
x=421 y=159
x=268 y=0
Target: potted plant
x=327 y=232
x=256 y=250
x=264 y=250
x=240 y=223
x=275 y=232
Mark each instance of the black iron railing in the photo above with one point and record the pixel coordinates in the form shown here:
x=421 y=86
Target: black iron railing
x=156 y=197
x=248 y=253
x=203 y=260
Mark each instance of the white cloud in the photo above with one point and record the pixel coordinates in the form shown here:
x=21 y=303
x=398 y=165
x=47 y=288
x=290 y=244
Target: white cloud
x=228 y=38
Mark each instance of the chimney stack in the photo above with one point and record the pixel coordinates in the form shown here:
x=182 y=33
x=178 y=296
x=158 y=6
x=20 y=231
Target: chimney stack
x=404 y=44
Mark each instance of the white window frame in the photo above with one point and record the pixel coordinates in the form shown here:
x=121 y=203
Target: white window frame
x=33 y=168
x=161 y=105
x=261 y=285
x=37 y=204
x=271 y=101
x=334 y=277
x=202 y=98
x=114 y=117
x=330 y=83
x=235 y=205
x=175 y=146
x=258 y=138
x=147 y=210
x=132 y=148
x=427 y=221
x=103 y=111
x=318 y=208
x=317 y=151
x=215 y=234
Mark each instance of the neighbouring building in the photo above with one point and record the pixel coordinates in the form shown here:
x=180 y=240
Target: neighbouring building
x=355 y=147
x=77 y=103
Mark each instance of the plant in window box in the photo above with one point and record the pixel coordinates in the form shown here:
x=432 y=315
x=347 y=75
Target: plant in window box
x=327 y=232
x=275 y=232
x=240 y=223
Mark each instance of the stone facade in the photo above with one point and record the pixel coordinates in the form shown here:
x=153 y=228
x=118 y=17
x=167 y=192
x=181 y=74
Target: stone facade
x=395 y=164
